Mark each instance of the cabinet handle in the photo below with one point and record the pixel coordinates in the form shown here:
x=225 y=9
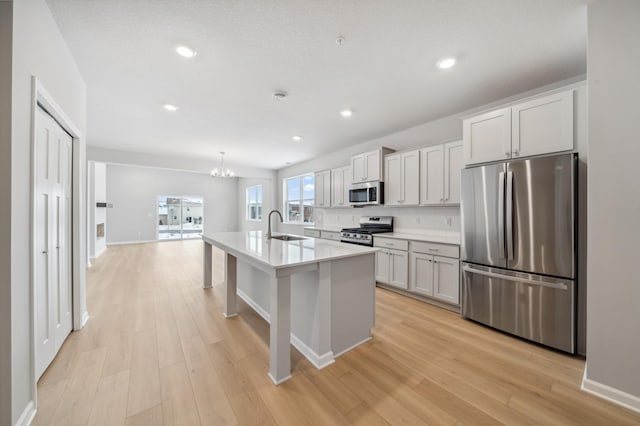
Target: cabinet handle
x=516 y=152
x=45 y=251
x=507 y=154
x=434 y=249
x=441 y=199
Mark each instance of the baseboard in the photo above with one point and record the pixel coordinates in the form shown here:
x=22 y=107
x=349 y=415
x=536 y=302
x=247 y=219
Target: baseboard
x=613 y=395
x=122 y=243
x=352 y=347
x=97 y=255
x=27 y=415
x=85 y=318
x=319 y=361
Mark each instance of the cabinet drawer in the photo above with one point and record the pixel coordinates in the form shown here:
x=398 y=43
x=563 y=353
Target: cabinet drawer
x=330 y=235
x=435 y=249
x=312 y=233
x=391 y=243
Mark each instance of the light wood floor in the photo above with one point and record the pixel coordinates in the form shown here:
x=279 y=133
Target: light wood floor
x=157 y=350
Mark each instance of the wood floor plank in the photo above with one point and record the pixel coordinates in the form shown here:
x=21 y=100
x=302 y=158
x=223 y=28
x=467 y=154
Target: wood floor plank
x=187 y=364
x=110 y=403
x=144 y=378
x=178 y=403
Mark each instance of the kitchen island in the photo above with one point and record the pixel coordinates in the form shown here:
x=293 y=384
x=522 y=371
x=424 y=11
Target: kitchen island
x=316 y=294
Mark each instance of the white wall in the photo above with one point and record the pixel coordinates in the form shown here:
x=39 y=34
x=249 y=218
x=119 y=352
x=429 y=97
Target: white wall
x=97 y=193
x=38 y=49
x=268 y=202
x=133 y=191
x=613 y=323
x=6 y=21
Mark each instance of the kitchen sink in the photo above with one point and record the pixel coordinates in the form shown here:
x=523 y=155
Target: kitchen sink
x=286 y=237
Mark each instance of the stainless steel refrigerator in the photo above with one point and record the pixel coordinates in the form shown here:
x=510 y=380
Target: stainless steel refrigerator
x=519 y=248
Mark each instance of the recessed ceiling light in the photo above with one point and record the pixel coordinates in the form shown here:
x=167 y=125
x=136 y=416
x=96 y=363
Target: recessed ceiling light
x=280 y=95
x=297 y=138
x=170 y=107
x=446 y=63
x=346 y=113
x=186 y=52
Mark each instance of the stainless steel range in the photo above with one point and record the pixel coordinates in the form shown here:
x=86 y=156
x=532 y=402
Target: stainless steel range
x=369 y=225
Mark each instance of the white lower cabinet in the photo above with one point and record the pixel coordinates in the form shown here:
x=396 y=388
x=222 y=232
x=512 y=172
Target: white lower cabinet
x=435 y=276
x=392 y=267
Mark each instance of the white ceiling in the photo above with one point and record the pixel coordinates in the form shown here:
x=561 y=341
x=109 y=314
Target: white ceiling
x=385 y=71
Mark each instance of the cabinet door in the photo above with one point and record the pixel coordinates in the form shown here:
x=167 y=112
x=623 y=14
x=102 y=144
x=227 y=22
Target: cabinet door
x=358 y=169
x=322 y=189
x=446 y=280
x=393 y=180
x=410 y=178
x=431 y=175
x=452 y=167
x=399 y=268
x=346 y=182
x=337 y=188
x=543 y=125
x=487 y=137
x=372 y=165
x=421 y=273
x=382 y=266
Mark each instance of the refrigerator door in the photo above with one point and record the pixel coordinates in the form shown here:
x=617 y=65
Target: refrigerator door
x=540 y=215
x=482 y=212
x=537 y=308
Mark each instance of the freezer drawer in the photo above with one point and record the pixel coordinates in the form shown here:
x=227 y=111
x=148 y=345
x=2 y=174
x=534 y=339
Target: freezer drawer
x=534 y=307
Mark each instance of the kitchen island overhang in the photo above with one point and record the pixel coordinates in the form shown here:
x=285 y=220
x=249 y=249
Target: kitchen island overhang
x=318 y=295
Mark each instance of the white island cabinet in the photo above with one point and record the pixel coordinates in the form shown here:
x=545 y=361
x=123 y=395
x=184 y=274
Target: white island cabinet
x=306 y=289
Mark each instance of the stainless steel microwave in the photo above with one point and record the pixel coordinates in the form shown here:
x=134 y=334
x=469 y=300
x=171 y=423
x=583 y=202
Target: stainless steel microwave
x=365 y=194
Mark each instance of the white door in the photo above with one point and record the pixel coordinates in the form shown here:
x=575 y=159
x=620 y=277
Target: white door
x=446 y=282
x=399 y=262
x=382 y=266
x=411 y=178
x=452 y=168
x=543 y=125
x=431 y=175
x=372 y=165
x=393 y=180
x=53 y=239
x=358 y=169
x=421 y=273
x=487 y=137
x=337 y=187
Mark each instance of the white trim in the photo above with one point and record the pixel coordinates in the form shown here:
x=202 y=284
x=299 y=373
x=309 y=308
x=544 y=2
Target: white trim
x=609 y=393
x=85 y=318
x=353 y=346
x=122 y=243
x=99 y=253
x=27 y=415
x=319 y=361
x=277 y=382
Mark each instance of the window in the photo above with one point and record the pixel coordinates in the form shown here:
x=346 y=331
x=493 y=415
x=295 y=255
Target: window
x=180 y=217
x=254 y=203
x=298 y=199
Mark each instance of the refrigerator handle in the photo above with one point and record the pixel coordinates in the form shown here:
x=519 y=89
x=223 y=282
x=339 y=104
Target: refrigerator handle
x=509 y=215
x=556 y=285
x=501 y=215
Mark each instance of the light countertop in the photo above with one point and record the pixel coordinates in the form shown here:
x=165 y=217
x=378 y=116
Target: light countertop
x=432 y=237
x=325 y=228
x=282 y=254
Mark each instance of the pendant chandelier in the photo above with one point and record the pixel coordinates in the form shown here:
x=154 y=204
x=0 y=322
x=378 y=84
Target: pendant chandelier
x=221 y=171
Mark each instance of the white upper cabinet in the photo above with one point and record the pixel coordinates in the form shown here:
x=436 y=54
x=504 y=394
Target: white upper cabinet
x=340 y=181
x=543 y=125
x=453 y=165
x=540 y=126
x=402 y=178
x=440 y=168
x=322 y=189
x=367 y=167
x=487 y=137
x=432 y=175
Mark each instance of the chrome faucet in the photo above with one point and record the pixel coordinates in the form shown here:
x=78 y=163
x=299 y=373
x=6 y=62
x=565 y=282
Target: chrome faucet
x=269 y=230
